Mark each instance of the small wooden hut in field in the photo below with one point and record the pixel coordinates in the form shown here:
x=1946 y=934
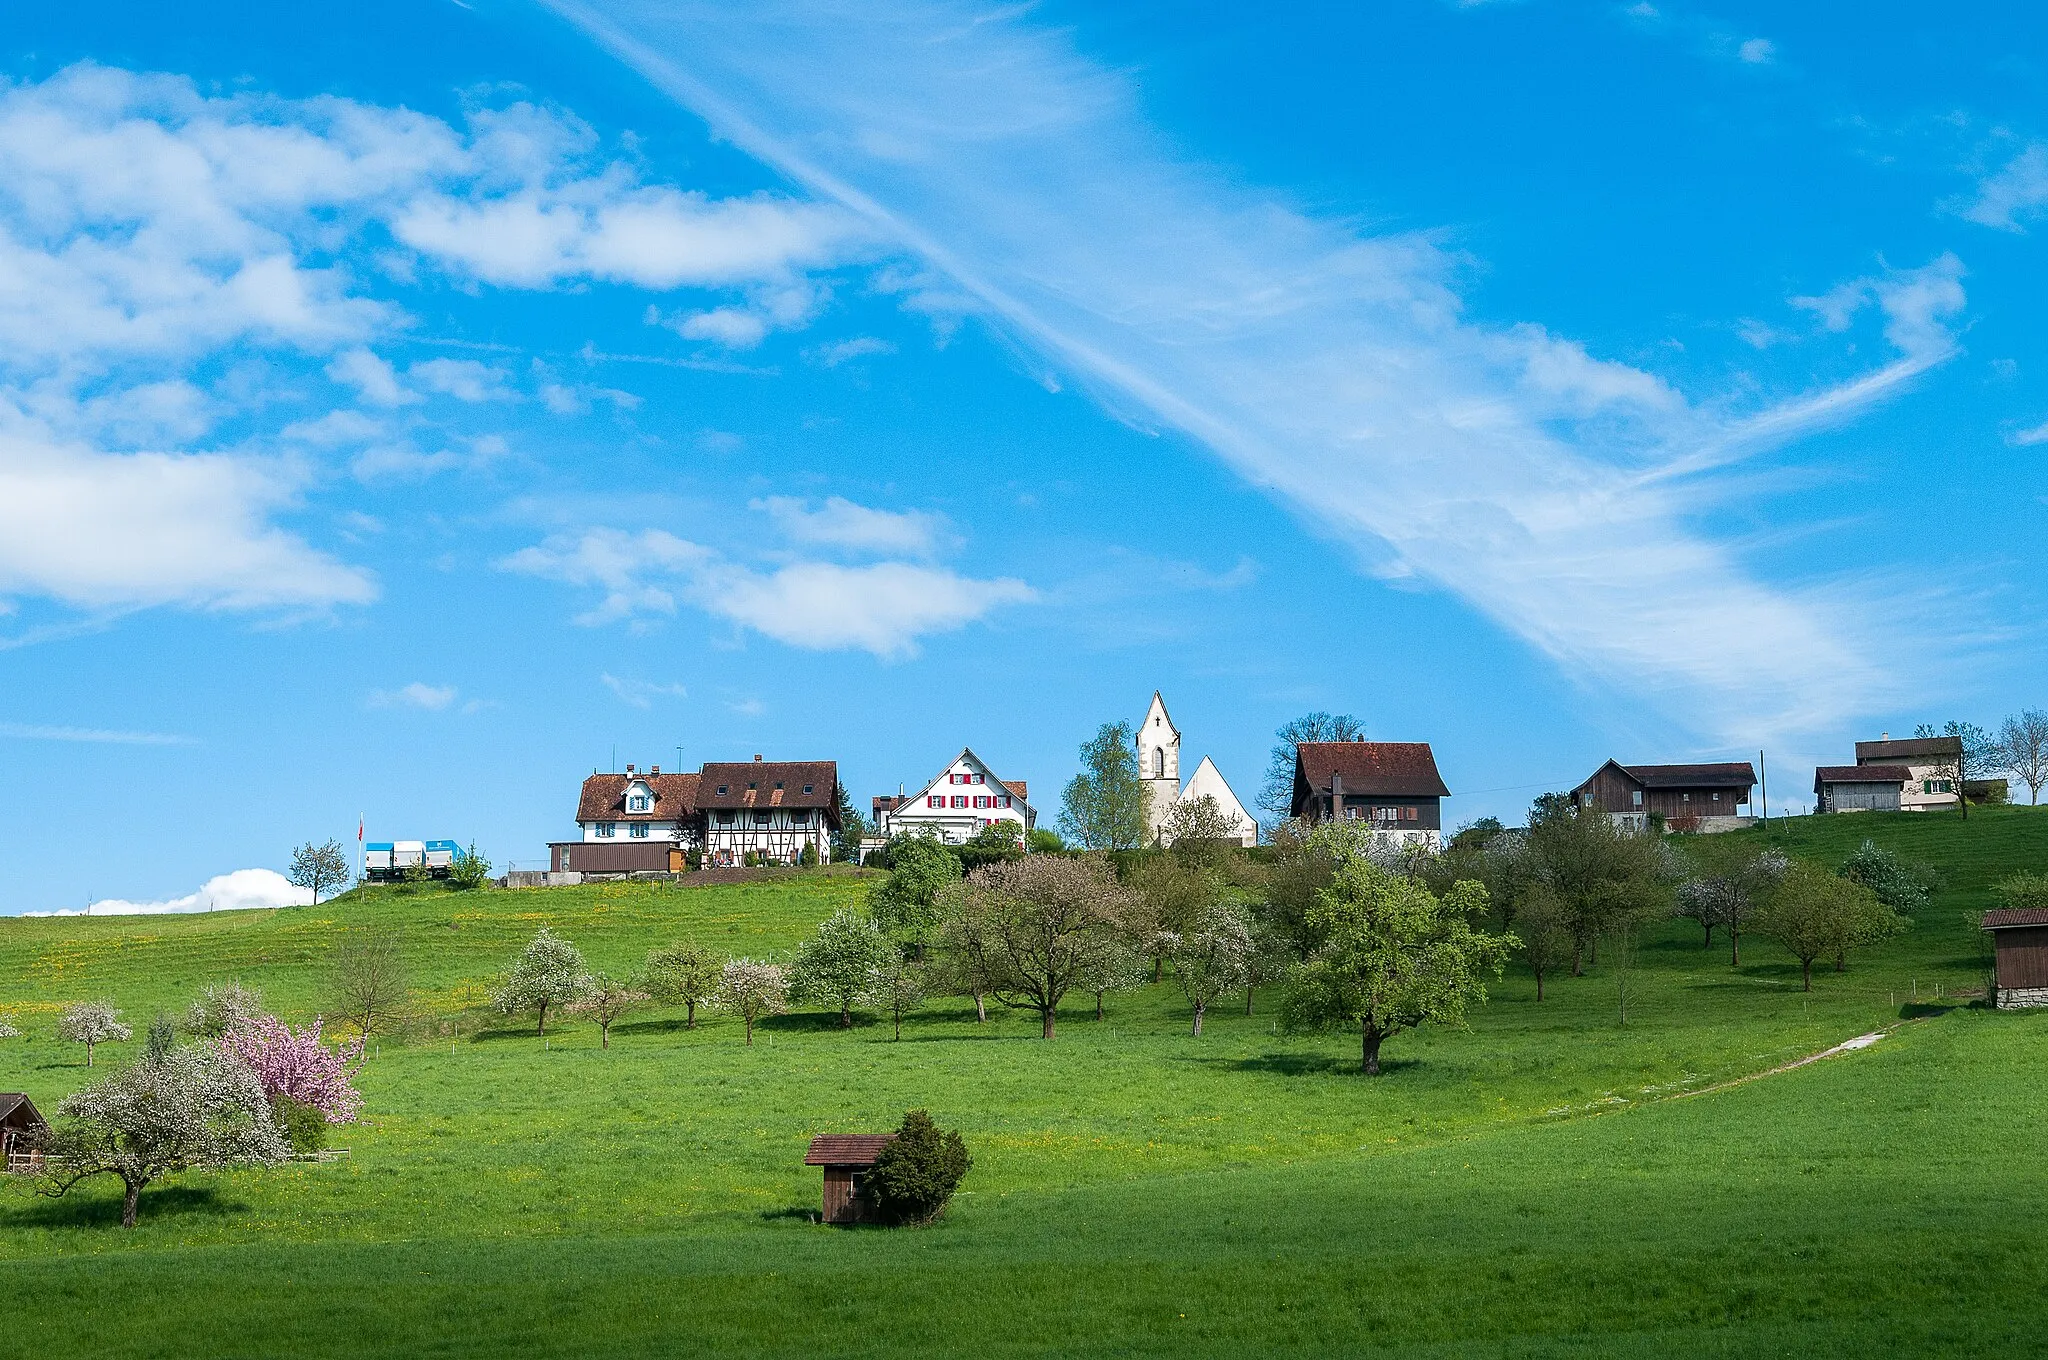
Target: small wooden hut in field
x=2020 y=936
x=19 y=1121
x=847 y=1159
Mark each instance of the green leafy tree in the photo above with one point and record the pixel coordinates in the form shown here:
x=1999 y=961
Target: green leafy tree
x=685 y=974
x=194 y=1107
x=1302 y=868
x=2017 y=892
x=853 y=829
x=999 y=840
x=318 y=868
x=838 y=964
x=751 y=989
x=1199 y=833
x=914 y=1177
x=1815 y=914
x=1039 y=926
x=906 y=904
x=548 y=973
x=1597 y=870
x=1104 y=806
x=1276 y=796
x=1174 y=897
x=469 y=871
x=222 y=1007
x=1212 y=957
x=1897 y=884
x=1391 y=955
x=608 y=1000
x=1544 y=930
x=1044 y=841
x=92 y=1023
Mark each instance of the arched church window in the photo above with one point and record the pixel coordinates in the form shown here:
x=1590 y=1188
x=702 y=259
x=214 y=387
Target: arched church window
x=1158 y=763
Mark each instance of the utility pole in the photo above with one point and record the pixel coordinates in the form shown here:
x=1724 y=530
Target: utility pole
x=1764 y=778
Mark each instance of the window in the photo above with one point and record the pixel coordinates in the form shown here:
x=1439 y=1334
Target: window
x=1158 y=764
x=752 y=785
x=762 y=818
x=807 y=788
x=638 y=831
x=984 y=801
x=799 y=816
x=607 y=828
x=1685 y=798
x=980 y=779
x=1410 y=814
x=1717 y=796
x=959 y=800
x=1637 y=797
x=1354 y=814
x=1006 y=800
x=725 y=819
x=778 y=783
x=936 y=800
x=721 y=788
x=637 y=803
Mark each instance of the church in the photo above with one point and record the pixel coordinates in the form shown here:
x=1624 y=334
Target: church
x=1159 y=767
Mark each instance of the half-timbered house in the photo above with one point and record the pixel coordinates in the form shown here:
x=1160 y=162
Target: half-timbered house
x=770 y=810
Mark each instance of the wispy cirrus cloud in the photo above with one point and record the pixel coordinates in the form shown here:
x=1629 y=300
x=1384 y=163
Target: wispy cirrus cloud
x=841 y=523
x=92 y=735
x=2014 y=192
x=1334 y=368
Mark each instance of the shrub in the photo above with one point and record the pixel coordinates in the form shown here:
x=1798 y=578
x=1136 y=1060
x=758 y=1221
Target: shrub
x=2021 y=891
x=304 y=1125
x=1897 y=884
x=915 y=1176
x=809 y=858
x=1044 y=841
x=469 y=871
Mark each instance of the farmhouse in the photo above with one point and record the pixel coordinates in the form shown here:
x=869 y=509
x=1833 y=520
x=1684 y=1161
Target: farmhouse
x=773 y=810
x=19 y=1122
x=1158 y=742
x=959 y=801
x=1393 y=785
x=2020 y=936
x=847 y=1159
x=1931 y=768
x=1687 y=797
x=642 y=821
x=1859 y=788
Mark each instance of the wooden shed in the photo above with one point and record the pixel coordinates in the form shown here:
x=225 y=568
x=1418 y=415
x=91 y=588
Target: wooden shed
x=847 y=1158
x=19 y=1119
x=2020 y=936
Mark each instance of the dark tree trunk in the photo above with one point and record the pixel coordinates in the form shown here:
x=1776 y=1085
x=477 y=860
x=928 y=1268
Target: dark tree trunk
x=1098 y=1005
x=1199 y=1008
x=129 y=1196
x=980 y=1009
x=1369 y=1061
x=1539 y=984
x=899 y=1025
x=1045 y=1023
x=750 y=1029
x=1841 y=961
x=1158 y=967
x=542 y=1027
x=1734 y=947
x=1806 y=972
x=691 y=1023
x=845 y=1016
x=1710 y=936
x=1578 y=959
x=1247 y=1000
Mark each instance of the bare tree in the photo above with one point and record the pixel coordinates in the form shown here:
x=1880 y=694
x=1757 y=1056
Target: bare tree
x=321 y=868
x=1041 y=924
x=1975 y=756
x=366 y=981
x=90 y=1023
x=898 y=986
x=2023 y=749
x=1277 y=796
x=606 y=1001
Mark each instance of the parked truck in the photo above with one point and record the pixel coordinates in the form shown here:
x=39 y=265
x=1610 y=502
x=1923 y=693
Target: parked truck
x=384 y=861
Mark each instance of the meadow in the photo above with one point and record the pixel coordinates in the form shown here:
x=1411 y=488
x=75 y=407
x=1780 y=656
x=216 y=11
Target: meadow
x=1540 y=1183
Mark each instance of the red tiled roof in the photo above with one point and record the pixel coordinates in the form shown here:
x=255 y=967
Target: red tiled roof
x=769 y=784
x=1016 y=786
x=1735 y=774
x=1395 y=768
x=2015 y=916
x=847 y=1149
x=604 y=797
x=1861 y=774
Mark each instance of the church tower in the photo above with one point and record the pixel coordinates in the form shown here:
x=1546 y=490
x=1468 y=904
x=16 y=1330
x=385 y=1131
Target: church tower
x=1159 y=763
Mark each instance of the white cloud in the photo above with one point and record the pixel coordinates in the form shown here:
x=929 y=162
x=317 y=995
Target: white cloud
x=242 y=890
x=2037 y=435
x=844 y=351
x=733 y=327
x=336 y=427
x=2018 y=190
x=373 y=377
x=882 y=607
x=92 y=735
x=641 y=693
x=1333 y=369
x=1757 y=51
x=418 y=694
x=463 y=379
x=840 y=523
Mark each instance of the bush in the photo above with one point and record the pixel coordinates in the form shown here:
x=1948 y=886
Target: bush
x=1043 y=841
x=470 y=870
x=1898 y=885
x=2020 y=891
x=304 y=1125
x=809 y=858
x=916 y=1175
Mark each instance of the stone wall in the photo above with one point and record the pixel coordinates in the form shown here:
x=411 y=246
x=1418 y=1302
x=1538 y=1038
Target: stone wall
x=2013 y=998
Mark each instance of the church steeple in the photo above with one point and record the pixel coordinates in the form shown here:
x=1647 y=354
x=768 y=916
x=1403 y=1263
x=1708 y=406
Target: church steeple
x=1158 y=742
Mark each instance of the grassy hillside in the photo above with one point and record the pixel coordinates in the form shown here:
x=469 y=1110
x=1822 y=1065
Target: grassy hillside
x=510 y=1195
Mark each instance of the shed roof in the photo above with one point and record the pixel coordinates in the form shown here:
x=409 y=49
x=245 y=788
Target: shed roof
x=16 y=1108
x=1908 y=748
x=1394 y=768
x=604 y=797
x=1861 y=774
x=847 y=1149
x=1993 y=920
x=1725 y=774
x=769 y=784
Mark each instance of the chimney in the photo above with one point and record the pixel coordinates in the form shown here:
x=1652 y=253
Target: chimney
x=1336 y=797
x=654 y=769
x=757 y=756
x=629 y=767
x=1884 y=736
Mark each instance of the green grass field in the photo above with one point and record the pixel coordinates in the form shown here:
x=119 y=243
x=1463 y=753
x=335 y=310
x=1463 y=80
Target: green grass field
x=1532 y=1186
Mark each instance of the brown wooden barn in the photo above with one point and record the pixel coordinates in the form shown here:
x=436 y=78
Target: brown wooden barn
x=19 y=1120
x=1688 y=797
x=847 y=1158
x=2020 y=936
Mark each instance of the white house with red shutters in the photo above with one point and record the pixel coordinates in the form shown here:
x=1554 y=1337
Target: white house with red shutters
x=965 y=797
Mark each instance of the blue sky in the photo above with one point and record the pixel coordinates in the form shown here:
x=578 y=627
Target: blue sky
x=404 y=407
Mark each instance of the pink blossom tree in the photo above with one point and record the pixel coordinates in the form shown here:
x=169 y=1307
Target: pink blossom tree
x=298 y=1067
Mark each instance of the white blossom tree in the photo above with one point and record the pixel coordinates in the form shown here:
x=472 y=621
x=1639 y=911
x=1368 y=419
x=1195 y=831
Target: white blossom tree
x=838 y=964
x=90 y=1023
x=189 y=1107
x=1212 y=958
x=752 y=988
x=607 y=1001
x=548 y=973
x=319 y=868
x=222 y=1008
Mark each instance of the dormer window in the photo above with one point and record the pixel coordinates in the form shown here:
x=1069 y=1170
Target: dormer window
x=778 y=783
x=807 y=788
x=721 y=788
x=638 y=802
x=751 y=785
